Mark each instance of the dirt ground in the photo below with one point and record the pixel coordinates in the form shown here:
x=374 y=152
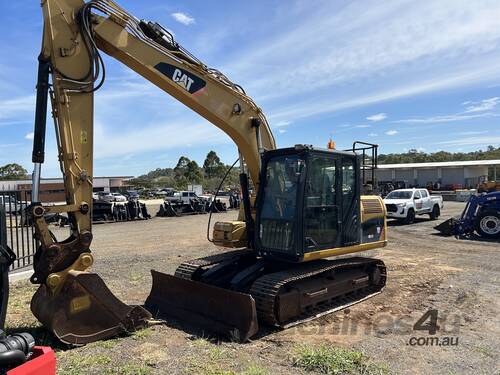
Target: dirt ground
x=458 y=278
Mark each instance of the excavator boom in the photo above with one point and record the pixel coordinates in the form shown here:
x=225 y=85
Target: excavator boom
x=70 y=298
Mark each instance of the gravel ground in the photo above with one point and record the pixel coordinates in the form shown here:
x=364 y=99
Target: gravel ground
x=458 y=278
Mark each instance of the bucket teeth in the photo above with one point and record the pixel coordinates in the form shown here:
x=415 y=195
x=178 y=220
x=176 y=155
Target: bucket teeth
x=215 y=310
x=85 y=310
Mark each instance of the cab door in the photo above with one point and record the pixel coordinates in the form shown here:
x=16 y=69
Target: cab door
x=426 y=201
x=321 y=205
x=350 y=198
x=418 y=201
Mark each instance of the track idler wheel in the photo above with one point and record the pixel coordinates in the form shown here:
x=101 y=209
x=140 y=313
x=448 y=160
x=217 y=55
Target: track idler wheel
x=83 y=310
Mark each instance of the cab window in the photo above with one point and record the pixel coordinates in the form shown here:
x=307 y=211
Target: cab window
x=277 y=218
x=320 y=204
x=417 y=195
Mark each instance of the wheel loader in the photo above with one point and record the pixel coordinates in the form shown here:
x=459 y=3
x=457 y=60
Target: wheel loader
x=301 y=205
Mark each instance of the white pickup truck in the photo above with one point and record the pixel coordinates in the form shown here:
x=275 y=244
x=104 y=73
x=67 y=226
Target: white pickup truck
x=405 y=204
x=181 y=196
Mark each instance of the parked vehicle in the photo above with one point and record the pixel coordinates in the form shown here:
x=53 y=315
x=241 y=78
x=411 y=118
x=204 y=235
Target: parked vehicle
x=132 y=195
x=10 y=204
x=480 y=215
x=182 y=196
x=117 y=197
x=105 y=197
x=406 y=204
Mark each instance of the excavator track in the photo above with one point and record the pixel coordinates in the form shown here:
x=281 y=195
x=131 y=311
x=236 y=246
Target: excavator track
x=187 y=270
x=281 y=295
x=268 y=289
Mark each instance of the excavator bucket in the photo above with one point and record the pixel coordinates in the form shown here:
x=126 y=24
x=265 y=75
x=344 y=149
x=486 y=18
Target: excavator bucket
x=84 y=310
x=447 y=227
x=216 y=310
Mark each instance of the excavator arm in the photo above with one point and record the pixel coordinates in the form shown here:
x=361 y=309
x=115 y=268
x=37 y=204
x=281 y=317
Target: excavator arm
x=70 y=297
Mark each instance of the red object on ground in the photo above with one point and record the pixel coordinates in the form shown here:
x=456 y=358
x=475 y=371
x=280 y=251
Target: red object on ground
x=42 y=362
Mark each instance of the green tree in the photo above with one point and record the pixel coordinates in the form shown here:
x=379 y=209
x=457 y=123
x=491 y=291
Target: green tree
x=193 y=172
x=212 y=166
x=12 y=171
x=181 y=167
x=413 y=156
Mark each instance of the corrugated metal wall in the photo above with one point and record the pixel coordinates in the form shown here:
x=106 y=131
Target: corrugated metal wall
x=453 y=176
x=405 y=175
x=384 y=174
x=427 y=175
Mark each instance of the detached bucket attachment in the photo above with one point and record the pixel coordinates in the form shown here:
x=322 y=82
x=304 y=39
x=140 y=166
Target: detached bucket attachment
x=84 y=310
x=447 y=227
x=211 y=308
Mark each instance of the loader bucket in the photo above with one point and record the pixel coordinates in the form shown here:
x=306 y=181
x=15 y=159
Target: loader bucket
x=85 y=310
x=447 y=227
x=213 y=309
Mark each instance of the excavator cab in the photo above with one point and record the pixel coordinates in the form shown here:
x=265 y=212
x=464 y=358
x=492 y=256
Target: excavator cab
x=309 y=201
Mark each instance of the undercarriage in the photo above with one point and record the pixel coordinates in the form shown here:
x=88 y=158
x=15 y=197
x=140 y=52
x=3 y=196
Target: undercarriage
x=233 y=293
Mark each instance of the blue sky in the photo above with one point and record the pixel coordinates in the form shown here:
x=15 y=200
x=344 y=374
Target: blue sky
x=403 y=74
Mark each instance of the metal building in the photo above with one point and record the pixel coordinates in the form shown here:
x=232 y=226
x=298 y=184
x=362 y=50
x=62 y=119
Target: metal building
x=453 y=175
x=52 y=189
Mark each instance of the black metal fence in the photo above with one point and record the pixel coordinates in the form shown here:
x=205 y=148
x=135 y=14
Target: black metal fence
x=20 y=232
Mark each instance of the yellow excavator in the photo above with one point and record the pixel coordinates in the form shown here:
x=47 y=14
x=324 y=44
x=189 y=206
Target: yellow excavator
x=300 y=205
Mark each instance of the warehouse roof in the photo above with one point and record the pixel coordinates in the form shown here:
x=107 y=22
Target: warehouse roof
x=467 y=163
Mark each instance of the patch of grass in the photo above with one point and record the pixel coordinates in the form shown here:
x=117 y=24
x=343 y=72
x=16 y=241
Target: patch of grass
x=106 y=344
x=213 y=368
x=217 y=353
x=74 y=363
x=131 y=369
x=143 y=333
x=200 y=342
x=334 y=360
x=255 y=370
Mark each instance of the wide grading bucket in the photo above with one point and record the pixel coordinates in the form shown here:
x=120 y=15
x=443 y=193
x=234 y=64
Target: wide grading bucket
x=212 y=309
x=447 y=227
x=85 y=310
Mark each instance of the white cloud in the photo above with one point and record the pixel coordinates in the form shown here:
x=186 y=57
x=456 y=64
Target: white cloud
x=377 y=117
x=316 y=107
x=362 y=126
x=442 y=119
x=183 y=18
x=473 y=132
x=281 y=131
x=14 y=108
x=483 y=105
x=171 y=135
x=372 y=135
x=472 y=141
x=30 y=136
x=419 y=41
x=391 y=132
x=282 y=124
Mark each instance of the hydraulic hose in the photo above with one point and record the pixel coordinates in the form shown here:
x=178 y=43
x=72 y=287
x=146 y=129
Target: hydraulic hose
x=15 y=349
